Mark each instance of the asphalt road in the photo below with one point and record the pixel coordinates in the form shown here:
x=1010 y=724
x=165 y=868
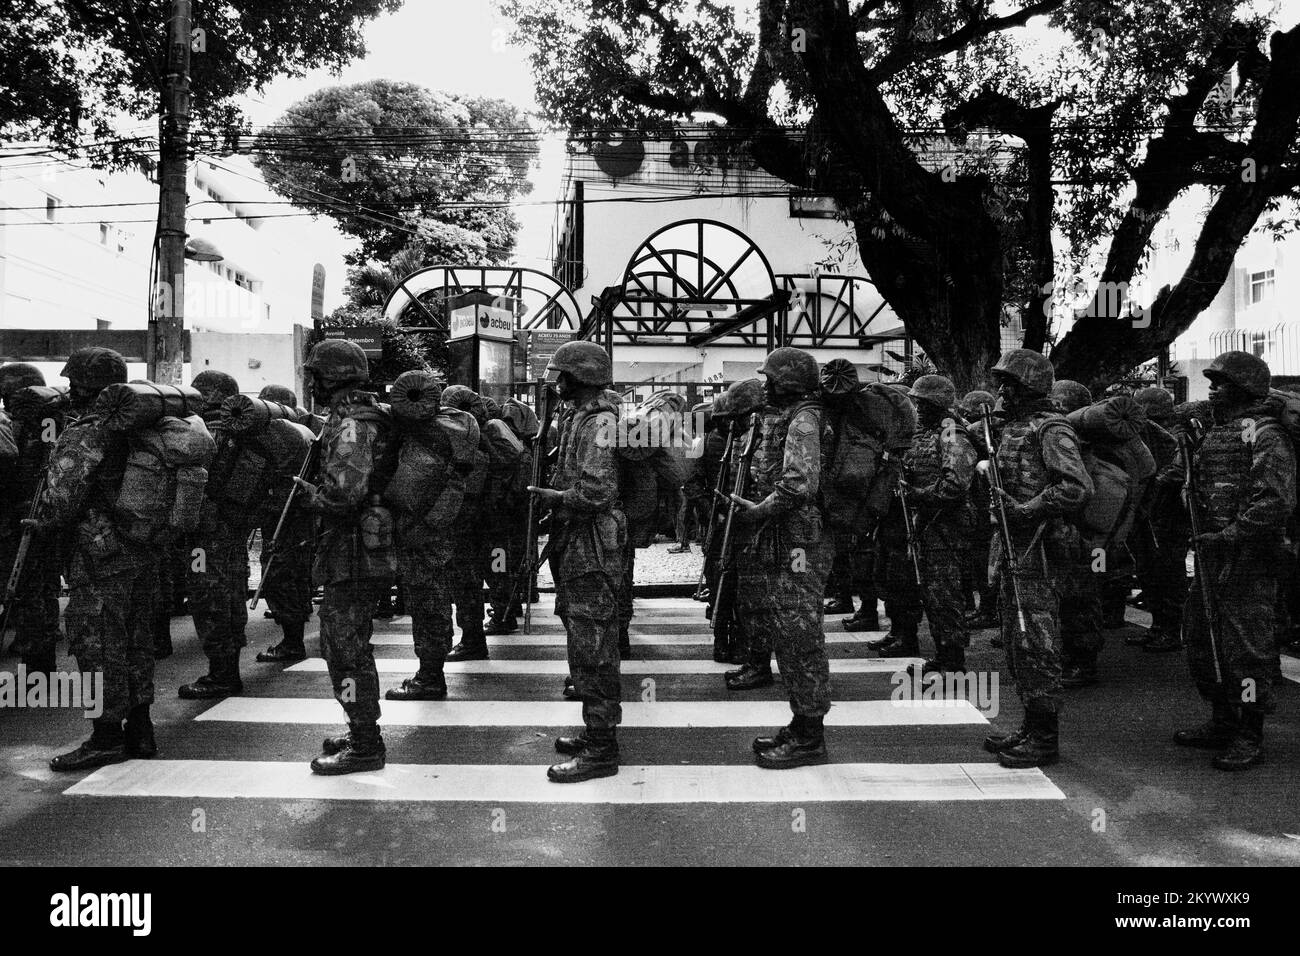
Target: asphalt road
x=906 y=787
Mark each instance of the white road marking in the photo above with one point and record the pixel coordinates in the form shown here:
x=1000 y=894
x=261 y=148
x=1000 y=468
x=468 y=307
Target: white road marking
x=402 y=665
x=847 y=782
x=545 y=713
x=554 y=639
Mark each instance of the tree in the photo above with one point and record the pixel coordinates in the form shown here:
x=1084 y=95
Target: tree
x=73 y=68
x=846 y=99
x=399 y=166
x=402 y=351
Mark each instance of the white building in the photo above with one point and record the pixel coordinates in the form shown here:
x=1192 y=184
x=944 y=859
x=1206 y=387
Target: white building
x=75 y=255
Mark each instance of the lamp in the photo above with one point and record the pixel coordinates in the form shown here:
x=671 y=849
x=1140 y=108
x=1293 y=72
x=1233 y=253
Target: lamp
x=201 y=250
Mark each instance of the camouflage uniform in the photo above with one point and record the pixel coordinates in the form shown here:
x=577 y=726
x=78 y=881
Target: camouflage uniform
x=355 y=557
x=1039 y=460
x=589 y=543
x=940 y=466
x=1159 y=537
x=784 y=566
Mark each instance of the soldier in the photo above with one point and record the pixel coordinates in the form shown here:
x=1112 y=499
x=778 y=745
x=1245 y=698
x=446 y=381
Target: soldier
x=588 y=539
x=355 y=556
x=851 y=566
x=217 y=580
x=938 y=471
x=286 y=585
x=471 y=546
x=1244 y=479
x=1044 y=484
x=1081 y=610
x=1160 y=533
x=976 y=578
x=505 y=588
x=110 y=578
x=784 y=564
x=35 y=614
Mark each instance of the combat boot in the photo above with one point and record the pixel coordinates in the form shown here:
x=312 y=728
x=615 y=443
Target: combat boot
x=1162 y=642
x=291 y=647
x=599 y=758
x=570 y=692
x=996 y=743
x=469 y=650
x=1216 y=733
x=752 y=677
x=221 y=680
x=906 y=646
x=1247 y=747
x=1041 y=745
x=948 y=658
x=572 y=746
x=1079 y=674
x=361 y=750
x=425 y=685
x=503 y=625
x=332 y=745
x=982 y=619
x=867 y=619
x=839 y=605
x=105 y=746
x=768 y=741
x=139 y=739
x=804 y=745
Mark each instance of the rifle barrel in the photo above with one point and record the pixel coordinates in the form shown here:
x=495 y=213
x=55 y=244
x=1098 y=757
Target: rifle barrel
x=1008 y=546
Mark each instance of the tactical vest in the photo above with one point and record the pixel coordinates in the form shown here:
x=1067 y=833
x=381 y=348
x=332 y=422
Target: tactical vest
x=924 y=458
x=1223 y=462
x=567 y=467
x=364 y=407
x=769 y=455
x=1020 y=454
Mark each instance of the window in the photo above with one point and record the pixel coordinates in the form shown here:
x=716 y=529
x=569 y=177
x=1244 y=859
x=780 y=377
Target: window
x=812 y=207
x=51 y=207
x=103 y=233
x=1261 y=286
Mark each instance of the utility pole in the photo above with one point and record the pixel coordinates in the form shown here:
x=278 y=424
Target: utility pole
x=167 y=318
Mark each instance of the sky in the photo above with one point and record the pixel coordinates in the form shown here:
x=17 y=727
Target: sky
x=458 y=46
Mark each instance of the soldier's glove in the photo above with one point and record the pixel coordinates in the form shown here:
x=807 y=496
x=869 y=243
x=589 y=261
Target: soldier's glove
x=1218 y=539
x=308 y=488
x=35 y=524
x=1018 y=516
x=547 y=498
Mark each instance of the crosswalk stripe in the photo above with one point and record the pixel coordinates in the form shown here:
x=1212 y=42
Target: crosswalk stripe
x=402 y=665
x=519 y=639
x=659 y=784
x=539 y=713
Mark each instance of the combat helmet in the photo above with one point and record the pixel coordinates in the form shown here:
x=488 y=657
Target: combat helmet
x=1248 y=372
x=95 y=367
x=278 y=393
x=16 y=375
x=741 y=398
x=976 y=399
x=935 y=389
x=1069 y=395
x=1158 y=403
x=465 y=399
x=791 y=371
x=521 y=419
x=586 y=362
x=839 y=377
x=1031 y=369
x=338 y=362
x=215 y=387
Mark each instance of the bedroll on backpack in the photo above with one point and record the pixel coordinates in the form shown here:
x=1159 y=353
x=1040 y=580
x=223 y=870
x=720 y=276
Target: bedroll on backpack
x=125 y=407
x=433 y=461
x=163 y=484
x=1118 y=462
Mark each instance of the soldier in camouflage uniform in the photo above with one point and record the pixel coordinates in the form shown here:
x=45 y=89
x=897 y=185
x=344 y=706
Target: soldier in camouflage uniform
x=938 y=471
x=505 y=589
x=1244 y=475
x=1081 y=610
x=976 y=576
x=35 y=614
x=1044 y=484
x=784 y=564
x=471 y=562
x=217 y=580
x=110 y=578
x=356 y=558
x=287 y=584
x=588 y=539
x=1160 y=533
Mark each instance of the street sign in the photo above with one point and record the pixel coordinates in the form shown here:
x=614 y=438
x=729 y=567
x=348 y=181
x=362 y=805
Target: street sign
x=541 y=346
x=317 y=292
x=370 y=340
x=487 y=321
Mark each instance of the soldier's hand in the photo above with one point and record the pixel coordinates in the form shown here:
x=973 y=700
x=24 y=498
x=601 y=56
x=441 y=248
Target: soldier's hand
x=547 y=498
x=747 y=512
x=305 y=485
x=34 y=524
x=1016 y=513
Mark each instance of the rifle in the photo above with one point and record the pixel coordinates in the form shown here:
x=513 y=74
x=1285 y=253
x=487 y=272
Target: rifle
x=1008 y=546
x=1208 y=606
x=724 y=468
x=20 y=559
x=724 y=598
x=546 y=397
x=909 y=525
x=304 y=474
